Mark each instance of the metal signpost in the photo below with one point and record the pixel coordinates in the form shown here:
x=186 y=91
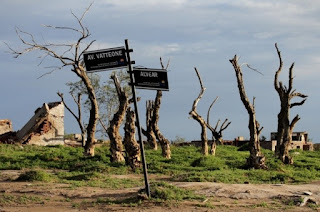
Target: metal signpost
x=154 y=79
x=144 y=164
x=116 y=58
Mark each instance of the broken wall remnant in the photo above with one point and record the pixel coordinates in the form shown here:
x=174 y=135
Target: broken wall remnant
x=7 y=136
x=46 y=127
x=5 y=126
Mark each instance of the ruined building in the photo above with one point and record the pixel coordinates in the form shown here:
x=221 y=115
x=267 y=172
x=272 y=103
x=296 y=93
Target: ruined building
x=299 y=141
x=46 y=127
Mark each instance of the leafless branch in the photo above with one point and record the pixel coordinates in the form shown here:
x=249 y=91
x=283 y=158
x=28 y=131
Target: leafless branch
x=225 y=125
x=290 y=78
x=50 y=72
x=162 y=65
x=297 y=103
x=202 y=89
x=103 y=125
x=68 y=108
x=208 y=114
x=247 y=64
x=63 y=28
x=298 y=95
x=278 y=85
x=294 y=121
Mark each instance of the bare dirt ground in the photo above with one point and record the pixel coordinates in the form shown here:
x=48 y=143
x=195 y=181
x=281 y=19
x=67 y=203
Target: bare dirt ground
x=38 y=196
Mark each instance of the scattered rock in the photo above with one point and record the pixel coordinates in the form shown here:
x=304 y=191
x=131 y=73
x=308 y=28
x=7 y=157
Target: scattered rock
x=240 y=196
x=143 y=196
x=307 y=193
x=307 y=200
x=206 y=200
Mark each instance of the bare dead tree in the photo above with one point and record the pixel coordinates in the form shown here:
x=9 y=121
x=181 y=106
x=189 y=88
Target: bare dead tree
x=256 y=159
x=77 y=117
x=194 y=114
x=130 y=143
x=71 y=55
x=285 y=128
x=216 y=135
x=164 y=142
x=153 y=132
x=151 y=137
x=116 y=146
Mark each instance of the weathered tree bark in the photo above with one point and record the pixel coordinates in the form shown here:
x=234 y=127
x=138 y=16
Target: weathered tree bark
x=165 y=143
x=116 y=146
x=151 y=137
x=94 y=111
x=256 y=159
x=285 y=128
x=130 y=143
x=79 y=117
x=194 y=114
x=216 y=135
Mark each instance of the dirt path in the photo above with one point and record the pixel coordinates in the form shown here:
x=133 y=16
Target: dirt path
x=23 y=196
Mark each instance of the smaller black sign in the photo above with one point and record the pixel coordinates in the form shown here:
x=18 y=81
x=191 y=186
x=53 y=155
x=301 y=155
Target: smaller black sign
x=105 y=59
x=154 y=79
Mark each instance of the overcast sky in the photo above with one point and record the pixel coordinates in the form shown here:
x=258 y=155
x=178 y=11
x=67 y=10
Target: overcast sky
x=203 y=34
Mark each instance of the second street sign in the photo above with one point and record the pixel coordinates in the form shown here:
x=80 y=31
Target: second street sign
x=154 y=79
x=105 y=59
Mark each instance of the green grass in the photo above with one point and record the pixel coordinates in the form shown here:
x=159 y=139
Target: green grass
x=7 y=199
x=35 y=175
x=166 y=191
x=68 y=165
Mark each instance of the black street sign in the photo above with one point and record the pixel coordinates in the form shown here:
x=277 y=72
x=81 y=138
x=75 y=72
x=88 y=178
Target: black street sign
x=100 y=60
x=154 y=79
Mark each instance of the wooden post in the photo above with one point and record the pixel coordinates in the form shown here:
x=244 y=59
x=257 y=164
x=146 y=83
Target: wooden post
x=144 y=165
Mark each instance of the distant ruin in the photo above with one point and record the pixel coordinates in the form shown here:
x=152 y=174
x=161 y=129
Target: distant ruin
x=299 y=141
x=46 y=127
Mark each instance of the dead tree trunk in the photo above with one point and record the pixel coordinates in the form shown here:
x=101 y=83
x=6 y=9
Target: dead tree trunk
x=94 y=112
x=130 y=143
x=256 y=159
x=79 y=117
x=285 y=128
x=165 y=143
x=153 y=132
x=216 y=135
x=116 y=146
x=194 y=114
x=152 y=140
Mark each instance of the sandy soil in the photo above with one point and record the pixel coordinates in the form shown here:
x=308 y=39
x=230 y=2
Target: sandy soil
x=24 y=196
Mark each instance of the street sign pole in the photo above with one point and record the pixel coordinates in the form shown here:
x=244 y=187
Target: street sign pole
x=145 y=172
